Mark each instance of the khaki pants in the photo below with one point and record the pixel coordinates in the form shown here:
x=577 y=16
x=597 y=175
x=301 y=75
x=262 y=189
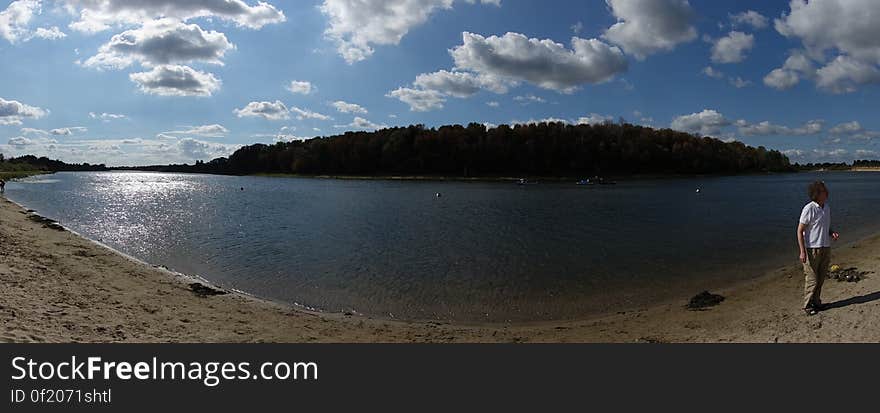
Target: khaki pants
x=815 y=271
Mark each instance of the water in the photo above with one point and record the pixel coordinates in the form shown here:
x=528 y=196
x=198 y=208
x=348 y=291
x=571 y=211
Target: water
x=481 y=252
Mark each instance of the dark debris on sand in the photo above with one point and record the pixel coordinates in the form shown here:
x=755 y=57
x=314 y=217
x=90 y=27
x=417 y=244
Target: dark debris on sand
x=204 y=291
x=703 y=300
x=851 y=274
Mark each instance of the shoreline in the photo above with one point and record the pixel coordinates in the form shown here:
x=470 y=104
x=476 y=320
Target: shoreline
x=61 y=287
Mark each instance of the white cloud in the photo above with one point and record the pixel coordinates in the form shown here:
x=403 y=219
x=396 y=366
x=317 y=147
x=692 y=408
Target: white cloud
x=732 y=48
x=361 y=123
x=16 y=18
x=750 y=18
x=844 y=74
x=460 y=84
x=594 y=119
x=493 y=104
x=68 y=131
x=12 y=112
x=645 y=27
x=797 y=66
x=739 y=82
x=712 y=72
x=176 y=80
x=208 y=131
x=107 y=117
x=577 y=28
x=99 y=15
x=345 y=107
x=767 y=128
x=539 y=121
x=847 y=128
x=159 y=42
x=20 y=141
x=266 y=110
x=300 y=87
x=544 y=63
x=50 y=33
x=529 y=99
x=302 y=114
x=854 y=131
x=419 y=100
x=708 y=123
x=358 y=25
x=847 y=28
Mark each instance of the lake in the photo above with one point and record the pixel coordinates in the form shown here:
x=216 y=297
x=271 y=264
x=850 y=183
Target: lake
x=481 y=252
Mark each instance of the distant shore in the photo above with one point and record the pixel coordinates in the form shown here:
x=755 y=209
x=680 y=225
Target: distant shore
x=59 y=287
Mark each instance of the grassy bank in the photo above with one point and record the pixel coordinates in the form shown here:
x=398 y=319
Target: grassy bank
x=9 y=175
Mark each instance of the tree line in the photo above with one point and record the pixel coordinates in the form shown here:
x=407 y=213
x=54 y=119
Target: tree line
x=31 y=163
x=543 y=149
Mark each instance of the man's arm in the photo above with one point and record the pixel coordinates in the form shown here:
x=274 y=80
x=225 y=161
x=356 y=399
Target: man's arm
x=801 y=243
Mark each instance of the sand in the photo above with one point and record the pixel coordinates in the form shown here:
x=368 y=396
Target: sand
x=56 y=286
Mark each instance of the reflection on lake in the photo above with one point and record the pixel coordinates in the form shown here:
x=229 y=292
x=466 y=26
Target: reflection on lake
x=480 y=252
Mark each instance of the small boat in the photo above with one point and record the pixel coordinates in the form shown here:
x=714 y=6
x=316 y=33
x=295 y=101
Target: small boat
x=596 y=180
x=524 y=181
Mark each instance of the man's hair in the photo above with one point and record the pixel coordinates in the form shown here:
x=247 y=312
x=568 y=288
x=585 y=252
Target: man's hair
x=815 y=189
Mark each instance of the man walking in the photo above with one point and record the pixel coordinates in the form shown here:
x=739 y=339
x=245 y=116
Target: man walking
x=814 y=235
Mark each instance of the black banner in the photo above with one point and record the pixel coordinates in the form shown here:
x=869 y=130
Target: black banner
x=245 y=377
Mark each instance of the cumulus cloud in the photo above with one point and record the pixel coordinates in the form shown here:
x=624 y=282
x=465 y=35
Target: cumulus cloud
x=767 y=128
x=460 y=84
x=345 y=107
x=847 y=128
x=161 y=42
x=853 y=130
x=303 y=114
x=732 y=48
x=594 y=119
x=844 y=74
x=12 y=112
x=20 y=141
x=300 y=87
x=708 y=123
x=15 y=23
x=797 y=66
x=67 y=131
x=419 y=100
x=358 y=25
x=750 y=18
x=545 y=63
x=712 y=72
x=99 y=15
x=845 y=27
x=645 y=27
x=739 y=82
x=107 y=117
x=49 y=33
x=267 y=110
x=361 y=123
x=176 y=80
x=14 y=20
x=529 y=99
x=208 y=131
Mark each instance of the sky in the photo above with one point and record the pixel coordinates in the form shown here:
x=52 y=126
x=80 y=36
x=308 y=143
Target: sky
x=136 y=82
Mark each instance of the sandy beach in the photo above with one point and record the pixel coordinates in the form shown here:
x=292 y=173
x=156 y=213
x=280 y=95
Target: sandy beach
x=59 y=287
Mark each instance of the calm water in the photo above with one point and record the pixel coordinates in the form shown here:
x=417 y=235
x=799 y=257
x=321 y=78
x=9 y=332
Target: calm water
x=481 y=252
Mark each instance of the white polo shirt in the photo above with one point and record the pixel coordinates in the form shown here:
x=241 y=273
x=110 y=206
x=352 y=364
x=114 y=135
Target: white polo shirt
x=818 y=222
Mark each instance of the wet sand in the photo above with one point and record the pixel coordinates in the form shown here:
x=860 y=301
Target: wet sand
x=58 y=287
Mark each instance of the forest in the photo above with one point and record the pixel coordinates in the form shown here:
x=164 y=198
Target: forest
x=29 y=164
x=538 y=150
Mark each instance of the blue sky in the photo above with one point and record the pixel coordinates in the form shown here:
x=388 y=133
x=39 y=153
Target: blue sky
x=159 y=81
